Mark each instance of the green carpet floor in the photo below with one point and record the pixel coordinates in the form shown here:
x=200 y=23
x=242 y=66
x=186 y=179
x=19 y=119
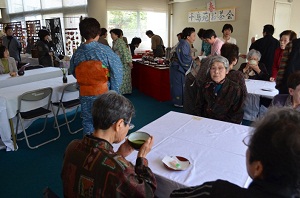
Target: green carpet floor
x=26 y=172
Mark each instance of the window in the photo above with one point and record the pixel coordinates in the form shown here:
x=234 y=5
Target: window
x=32 y=5
x=136 y=23
x=15 y=6
x=72 y=3
x=46 y=4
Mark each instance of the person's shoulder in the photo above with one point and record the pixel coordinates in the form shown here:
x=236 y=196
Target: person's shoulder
x=222 y=188
x=72 y=145
x=11 y=59
x=279 y=99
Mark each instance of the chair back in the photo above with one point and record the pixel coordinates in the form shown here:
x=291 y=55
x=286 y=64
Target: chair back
x=72 y=87
x=36 y=95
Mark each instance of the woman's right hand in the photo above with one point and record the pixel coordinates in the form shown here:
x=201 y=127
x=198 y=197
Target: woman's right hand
x=146 y=148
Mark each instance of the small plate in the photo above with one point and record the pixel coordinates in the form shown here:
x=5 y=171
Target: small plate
x=176 y=163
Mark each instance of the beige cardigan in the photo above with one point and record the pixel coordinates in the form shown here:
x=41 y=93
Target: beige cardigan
x=11 y=64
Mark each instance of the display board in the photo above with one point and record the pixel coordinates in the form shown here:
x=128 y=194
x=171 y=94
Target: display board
x=54 y=27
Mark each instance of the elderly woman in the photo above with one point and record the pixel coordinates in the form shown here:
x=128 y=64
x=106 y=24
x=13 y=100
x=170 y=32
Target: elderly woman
x=291 y=100
x=180 y=63
x=92 y=168
x=220 y=98
x=253 y=69
x=284 y=38
x=7 y=64
x=121 y=49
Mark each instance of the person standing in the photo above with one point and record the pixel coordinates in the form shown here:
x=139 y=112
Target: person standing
x=103 y=36
x=157 y=44
x=135 y=43
x=210 y=37
x=227 y=38
x=121 y=49
x=290 y=63
x=266 y=46
x=181 y=61
x=205 y=47
x=285 y=37
x=92 y=64
x=45 y=51
x=12 y=44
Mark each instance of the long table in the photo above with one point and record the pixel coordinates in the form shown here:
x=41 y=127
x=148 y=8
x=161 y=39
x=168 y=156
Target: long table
x=30 y=75
x=257 y=89
x=152 y=81
x=214 y=148
x=11 y=94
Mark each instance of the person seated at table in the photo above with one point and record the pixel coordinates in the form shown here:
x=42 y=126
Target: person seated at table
x=220 y=98
x=198 y=75
x=272 y=161
x=91 y=168
x=135 y=42
x=7 y=63
x=291 y=100
x=253 y=69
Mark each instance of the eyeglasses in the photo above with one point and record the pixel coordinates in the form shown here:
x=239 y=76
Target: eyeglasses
x=131 y=126
x=247 y=139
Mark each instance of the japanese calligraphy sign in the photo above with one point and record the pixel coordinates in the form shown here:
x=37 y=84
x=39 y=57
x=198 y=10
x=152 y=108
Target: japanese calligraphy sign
x=222 y=15
x=217 y=15
x=198 y=16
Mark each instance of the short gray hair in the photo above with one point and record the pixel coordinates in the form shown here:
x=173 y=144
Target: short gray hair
x=218 y=58
x=254 y=52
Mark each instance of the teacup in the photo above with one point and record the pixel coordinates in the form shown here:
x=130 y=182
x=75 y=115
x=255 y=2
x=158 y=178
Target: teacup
x=137 y=139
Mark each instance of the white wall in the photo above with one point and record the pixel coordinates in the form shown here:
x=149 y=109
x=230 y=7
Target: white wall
x=240 y=25
x=251 y=16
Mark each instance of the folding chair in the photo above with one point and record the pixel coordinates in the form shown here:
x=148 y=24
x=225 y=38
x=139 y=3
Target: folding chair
x=42 y=99
x=62 y=104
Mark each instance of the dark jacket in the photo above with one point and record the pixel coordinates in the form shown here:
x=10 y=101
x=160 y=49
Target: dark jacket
x=43 y=52
x=226 y=105
x=263 y=75
x=225 y=189
x=266 y=46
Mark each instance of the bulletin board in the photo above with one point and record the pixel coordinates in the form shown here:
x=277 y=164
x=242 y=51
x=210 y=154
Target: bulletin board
x=227 y=14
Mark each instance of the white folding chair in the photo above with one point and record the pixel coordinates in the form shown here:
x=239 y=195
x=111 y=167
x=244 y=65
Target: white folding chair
x=41 y=99
x=68 y=104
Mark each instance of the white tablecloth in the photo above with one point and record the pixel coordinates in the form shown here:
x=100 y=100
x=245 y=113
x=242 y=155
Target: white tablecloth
x=214 y=148
x=4 y=127
x=30 y=76
x=9 y=100
x=261 y=88
x=257 y=89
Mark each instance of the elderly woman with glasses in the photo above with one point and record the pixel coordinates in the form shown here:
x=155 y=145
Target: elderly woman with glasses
x=220 y=98
x=253 y=69
x=272 y=161
x=92 y=168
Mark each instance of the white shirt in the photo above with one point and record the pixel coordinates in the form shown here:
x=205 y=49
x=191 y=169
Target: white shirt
x=231 y=40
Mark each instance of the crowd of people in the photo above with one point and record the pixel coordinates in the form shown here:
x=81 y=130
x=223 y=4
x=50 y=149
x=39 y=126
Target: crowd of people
x=206 y=86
